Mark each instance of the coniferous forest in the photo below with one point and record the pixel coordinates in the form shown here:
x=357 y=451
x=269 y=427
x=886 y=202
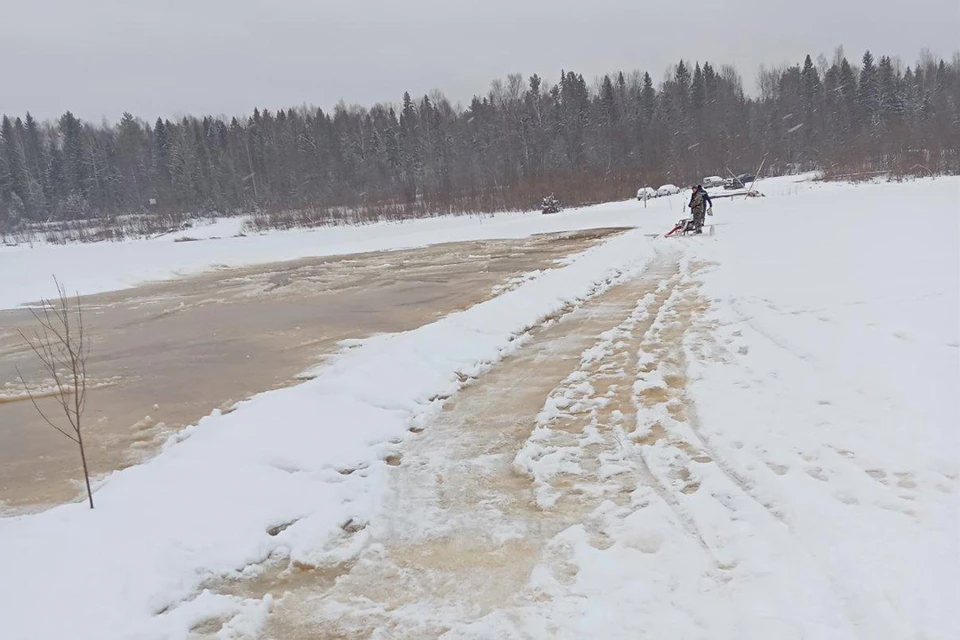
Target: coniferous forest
x=585 y=141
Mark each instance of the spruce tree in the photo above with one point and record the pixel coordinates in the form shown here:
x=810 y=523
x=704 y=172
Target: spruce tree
x=682 y=78
x=889 y=102
x=648 y=97
x=15 y=169
x=74 y=169
x=33 y=148
x=848 y=102
x=161 y=161
x=868 y=96
x=697 y=89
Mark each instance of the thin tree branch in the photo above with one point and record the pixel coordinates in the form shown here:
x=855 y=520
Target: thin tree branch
x=61 y=344
x=37 y=407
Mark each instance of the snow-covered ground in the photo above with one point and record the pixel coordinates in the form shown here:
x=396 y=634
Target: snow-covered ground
x=764 y=443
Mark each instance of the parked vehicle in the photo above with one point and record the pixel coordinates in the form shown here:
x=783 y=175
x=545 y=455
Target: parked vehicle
x=712 y=181
x=646 y=193
x=668 y=190
x=742 y=181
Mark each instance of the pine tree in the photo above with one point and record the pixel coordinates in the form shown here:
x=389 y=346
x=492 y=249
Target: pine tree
x=6 y=181
x=648 y=97
x=848 y=97
x=409 y=148
x=161 y=161
x=608 y=101
x=130 y=168
x=74 y=170
x=697 y=89
x=811 y=84
x=868 y=96
x=709 y=79
x=33 y=148
x=54 y=183
x=15 y=170
x=811 y=99
x=911 y=97
x=682 y=78
x=889 y=98
x=36 y=162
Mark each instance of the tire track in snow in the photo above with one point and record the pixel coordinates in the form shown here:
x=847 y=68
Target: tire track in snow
x=673 y=450
x=595 y=410
x=851 y=605
x=462 y=531
x=588 y=428
x=669 y=350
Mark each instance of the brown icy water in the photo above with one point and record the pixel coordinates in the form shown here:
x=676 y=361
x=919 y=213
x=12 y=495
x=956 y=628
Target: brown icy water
x=166 y=354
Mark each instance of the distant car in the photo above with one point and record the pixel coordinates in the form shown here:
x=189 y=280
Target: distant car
x=712 y=181
x=668 y=190
x=742 y=181
x=646 y=192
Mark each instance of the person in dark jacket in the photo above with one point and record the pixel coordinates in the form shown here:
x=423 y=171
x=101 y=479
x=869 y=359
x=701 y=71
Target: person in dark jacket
x=699 y=202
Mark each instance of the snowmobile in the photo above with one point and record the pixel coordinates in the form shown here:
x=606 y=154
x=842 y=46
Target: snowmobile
x=551 y=205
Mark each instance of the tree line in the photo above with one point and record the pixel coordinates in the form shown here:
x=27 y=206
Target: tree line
x=504 y=150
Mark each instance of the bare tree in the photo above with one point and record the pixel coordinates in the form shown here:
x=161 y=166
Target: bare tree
x=62 y=347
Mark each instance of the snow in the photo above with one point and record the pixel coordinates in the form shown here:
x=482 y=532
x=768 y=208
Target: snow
x=311 y=454
x=801 y=482
x=824 y=500
x=845 y=373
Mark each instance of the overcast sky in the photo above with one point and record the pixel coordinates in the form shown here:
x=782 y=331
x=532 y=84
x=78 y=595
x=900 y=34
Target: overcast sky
x=173 y=57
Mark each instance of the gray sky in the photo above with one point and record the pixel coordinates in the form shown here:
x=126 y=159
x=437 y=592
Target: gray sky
x=169 y=57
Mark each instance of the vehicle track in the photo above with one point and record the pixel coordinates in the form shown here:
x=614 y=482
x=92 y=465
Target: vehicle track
x=462 y=530
x=589 y=423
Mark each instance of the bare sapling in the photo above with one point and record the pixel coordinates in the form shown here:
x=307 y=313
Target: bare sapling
x=62 y=346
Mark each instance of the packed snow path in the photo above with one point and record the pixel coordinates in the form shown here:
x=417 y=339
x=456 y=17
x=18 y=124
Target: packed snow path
x=462 y=531
x=574 y=491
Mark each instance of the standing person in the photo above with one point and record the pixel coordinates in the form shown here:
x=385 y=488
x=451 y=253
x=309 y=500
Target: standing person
x=699 y=199
x=707 y=202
